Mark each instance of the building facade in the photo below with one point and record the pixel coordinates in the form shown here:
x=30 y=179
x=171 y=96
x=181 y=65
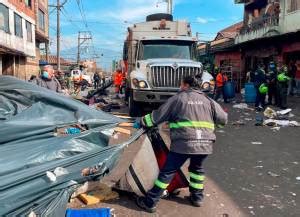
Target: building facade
x=270 y=32
x=18 y=42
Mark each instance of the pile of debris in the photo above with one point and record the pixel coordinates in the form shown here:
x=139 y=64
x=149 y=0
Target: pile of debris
x=279 y=118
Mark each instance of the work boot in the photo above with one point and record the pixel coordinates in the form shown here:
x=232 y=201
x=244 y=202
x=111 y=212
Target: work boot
x=141 y=202
x=195 y=203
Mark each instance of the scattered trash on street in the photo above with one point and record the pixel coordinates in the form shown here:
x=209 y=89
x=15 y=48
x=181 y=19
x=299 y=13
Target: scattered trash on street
x=256 y=143
x=241 y=106
x=273 y=174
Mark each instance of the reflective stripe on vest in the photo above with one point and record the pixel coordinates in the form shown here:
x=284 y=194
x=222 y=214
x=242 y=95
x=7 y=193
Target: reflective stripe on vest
x=196 y=186
x=161 y=184
x=197 y=177
x=148 y=120
x=195 y=124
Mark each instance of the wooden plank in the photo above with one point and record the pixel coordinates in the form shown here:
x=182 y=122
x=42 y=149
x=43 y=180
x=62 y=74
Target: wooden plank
x=127 y=124
x=122 y=130
x=89 y=199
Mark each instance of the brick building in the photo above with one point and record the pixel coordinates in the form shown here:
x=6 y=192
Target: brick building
x=19 y=41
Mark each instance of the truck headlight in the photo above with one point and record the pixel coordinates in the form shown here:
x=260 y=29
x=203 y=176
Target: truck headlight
x=142 y=84
x=205 y=85
x=139 y=84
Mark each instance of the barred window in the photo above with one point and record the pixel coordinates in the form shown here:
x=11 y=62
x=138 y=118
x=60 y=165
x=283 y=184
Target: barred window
x=4 y=18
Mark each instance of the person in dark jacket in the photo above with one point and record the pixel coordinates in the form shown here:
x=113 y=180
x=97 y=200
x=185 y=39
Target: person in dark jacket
x=272 y=84
x=282 y=87
x=48 y=80
x=192 y=117
x=259 y=80
x=96 y=80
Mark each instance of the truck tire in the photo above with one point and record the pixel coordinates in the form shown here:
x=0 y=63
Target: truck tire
x=159 y=16
x=134 y=110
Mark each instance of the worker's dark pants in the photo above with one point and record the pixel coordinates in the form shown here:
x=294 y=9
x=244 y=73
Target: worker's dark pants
x=221 y=91
x=96 y=84
x=282 y=95
x=272 y=94
x=174 y=162
x=260 y=99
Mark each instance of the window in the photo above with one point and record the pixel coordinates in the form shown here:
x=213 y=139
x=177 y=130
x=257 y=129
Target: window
x=4 y=18
x=293 y=5
x=28 y=3
x=18 y=26
x=41 y=20
x=29 y=31
x=165 y=49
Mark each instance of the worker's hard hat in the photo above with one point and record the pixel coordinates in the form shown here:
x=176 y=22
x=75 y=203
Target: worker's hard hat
x=263 y=89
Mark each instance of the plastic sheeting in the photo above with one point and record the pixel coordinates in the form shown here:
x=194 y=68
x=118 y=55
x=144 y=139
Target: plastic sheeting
x=39 y=171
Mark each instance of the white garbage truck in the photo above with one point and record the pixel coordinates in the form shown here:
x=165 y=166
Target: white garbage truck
x=158 y=54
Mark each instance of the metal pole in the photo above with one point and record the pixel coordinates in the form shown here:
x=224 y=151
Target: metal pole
x=58 y=34
x=78 y=51
x=170 y=6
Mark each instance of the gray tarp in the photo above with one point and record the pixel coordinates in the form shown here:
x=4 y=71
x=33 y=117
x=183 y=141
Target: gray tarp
x=29 y=116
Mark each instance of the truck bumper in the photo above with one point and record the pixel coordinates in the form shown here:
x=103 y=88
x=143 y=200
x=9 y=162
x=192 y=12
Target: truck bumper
x=151 y=96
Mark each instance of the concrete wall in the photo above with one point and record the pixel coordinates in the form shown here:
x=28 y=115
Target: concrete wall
x=290 y=21
x=260 y=33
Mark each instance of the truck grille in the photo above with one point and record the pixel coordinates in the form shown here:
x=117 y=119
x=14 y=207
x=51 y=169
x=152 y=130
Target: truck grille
x=167 y=76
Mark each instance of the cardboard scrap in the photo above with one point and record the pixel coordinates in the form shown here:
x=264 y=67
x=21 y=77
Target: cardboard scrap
x=104 y=193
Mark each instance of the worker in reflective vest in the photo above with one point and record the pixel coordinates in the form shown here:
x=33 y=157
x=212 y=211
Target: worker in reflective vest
x=192 y=117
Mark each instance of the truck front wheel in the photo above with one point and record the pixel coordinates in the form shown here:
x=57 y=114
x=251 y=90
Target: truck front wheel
x=134 y=110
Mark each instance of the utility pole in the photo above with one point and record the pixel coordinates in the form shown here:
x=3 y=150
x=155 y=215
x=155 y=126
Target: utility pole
x=170 y=6
x=58 y=7
x=83 y=36
x=58 y=35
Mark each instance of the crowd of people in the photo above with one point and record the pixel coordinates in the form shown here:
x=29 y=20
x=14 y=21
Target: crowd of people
x=275 y=83
x=60 y=82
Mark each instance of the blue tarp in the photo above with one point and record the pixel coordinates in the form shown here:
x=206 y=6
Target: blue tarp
x=29 y=149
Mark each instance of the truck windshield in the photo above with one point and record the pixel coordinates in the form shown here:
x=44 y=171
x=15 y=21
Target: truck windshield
x=165 y=49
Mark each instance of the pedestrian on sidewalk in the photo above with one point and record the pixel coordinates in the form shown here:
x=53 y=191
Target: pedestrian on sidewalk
x=192 y=117
x=260 y=83
x=118 y=80
x=48 y=80
x=221 y=79
x=283 y=85
x=272 y=84
x=96 y=80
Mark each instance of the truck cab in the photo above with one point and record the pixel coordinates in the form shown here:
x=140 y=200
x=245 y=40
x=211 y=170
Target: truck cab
x=159 y=53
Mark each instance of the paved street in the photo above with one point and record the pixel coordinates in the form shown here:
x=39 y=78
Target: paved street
x=244 y=179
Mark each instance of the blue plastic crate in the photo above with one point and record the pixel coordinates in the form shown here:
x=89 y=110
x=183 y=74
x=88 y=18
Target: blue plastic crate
x=103 y=212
